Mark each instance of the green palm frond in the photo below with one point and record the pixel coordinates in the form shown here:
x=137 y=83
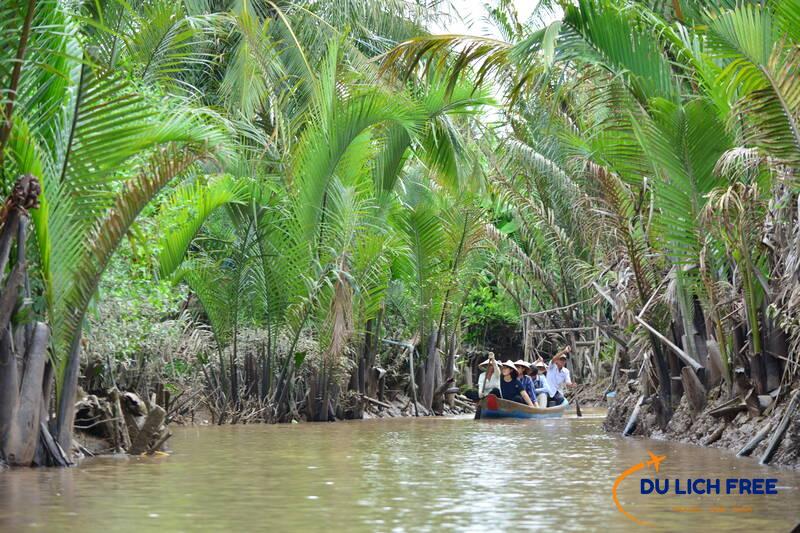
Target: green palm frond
x=93 y=254
x=761 y=77
x=168 y=44
x=772 y=115
x=187 y=209
x=425 y=238
x=456 y=54
x=335 y=124
x=787 y=18
x=622 y=47
x=440 y=146
x=253 y=67
x=51 y=57
x=215 y=290
x=684 y=143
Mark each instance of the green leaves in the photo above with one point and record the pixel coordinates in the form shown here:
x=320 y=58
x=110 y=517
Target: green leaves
x=684 y=144
x=745 y=34
x=335 y=124
x=761 y=77
x=622 y=47
x=187 y=209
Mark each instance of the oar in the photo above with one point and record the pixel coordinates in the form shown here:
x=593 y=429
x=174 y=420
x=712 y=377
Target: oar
x=577 y=405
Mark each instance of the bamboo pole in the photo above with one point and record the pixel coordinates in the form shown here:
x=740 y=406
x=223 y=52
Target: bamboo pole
x=680 y=353
x=556 y=309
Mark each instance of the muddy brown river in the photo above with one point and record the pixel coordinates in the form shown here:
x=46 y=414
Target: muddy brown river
x=395 y=475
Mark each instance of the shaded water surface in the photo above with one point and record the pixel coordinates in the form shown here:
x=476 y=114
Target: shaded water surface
x=392 y=475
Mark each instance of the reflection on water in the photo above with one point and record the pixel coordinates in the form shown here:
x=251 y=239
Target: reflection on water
x=390 y=475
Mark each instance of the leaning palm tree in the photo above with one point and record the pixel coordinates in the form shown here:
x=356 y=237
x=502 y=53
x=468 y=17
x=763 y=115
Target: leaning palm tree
x=101 y=150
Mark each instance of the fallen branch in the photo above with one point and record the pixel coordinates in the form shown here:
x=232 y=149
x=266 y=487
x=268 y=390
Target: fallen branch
x=695 y=391
x=680 y=353
x=97 y=423
x=376 y=402
x=715 y=436
x=753 y=443
x=731 y=407
x=155 y=417
x=776 y=438
x=165 y=435
x=462 y=403
x=631 y=425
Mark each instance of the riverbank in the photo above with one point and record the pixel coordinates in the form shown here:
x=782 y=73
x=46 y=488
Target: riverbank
x=716 y=425
x=400 y=405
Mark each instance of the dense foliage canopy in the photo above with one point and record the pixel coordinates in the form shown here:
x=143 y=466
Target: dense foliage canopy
x=310 y=178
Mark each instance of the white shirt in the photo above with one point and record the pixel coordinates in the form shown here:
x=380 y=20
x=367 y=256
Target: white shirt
x=556 y=377
x=485 y=387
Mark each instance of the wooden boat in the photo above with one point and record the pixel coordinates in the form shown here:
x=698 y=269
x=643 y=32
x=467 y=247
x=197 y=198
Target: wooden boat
x=493 y=407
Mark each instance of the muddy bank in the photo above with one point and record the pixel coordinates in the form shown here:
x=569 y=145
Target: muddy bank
x=590 y=394
x=393 y=406
x=715 y=425
x=402 y=405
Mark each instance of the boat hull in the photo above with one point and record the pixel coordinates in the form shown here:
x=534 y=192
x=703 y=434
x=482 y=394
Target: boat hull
x=493 y=407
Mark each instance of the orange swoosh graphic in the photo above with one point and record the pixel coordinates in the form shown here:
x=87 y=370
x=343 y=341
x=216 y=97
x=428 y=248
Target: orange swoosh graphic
x=655 y=461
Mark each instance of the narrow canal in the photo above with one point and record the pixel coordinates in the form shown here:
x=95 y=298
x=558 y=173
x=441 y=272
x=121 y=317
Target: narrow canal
x=393 y=475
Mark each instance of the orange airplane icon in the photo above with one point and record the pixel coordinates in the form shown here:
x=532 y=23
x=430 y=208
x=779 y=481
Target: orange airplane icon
x=655 y=460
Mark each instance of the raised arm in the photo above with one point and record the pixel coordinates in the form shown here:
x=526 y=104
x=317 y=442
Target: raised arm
x=562 y=351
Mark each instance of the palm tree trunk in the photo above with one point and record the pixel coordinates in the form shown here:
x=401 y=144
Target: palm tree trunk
x=67 y=390
x=233 y=370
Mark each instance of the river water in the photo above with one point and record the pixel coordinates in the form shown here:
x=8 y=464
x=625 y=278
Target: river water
x=429 y=474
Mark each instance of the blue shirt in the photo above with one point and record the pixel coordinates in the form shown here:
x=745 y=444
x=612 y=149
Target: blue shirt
x=527 y=384
x=510 y=390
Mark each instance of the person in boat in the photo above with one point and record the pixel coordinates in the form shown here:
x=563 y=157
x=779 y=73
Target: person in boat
x=488 y=380
x=541 y=387
x=554 y=396
x=510 y=387
x=523 y=369
x=558 y=375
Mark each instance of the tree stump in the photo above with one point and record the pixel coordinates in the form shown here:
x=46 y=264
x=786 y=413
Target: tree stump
x=150 y=428
x=694 y=389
